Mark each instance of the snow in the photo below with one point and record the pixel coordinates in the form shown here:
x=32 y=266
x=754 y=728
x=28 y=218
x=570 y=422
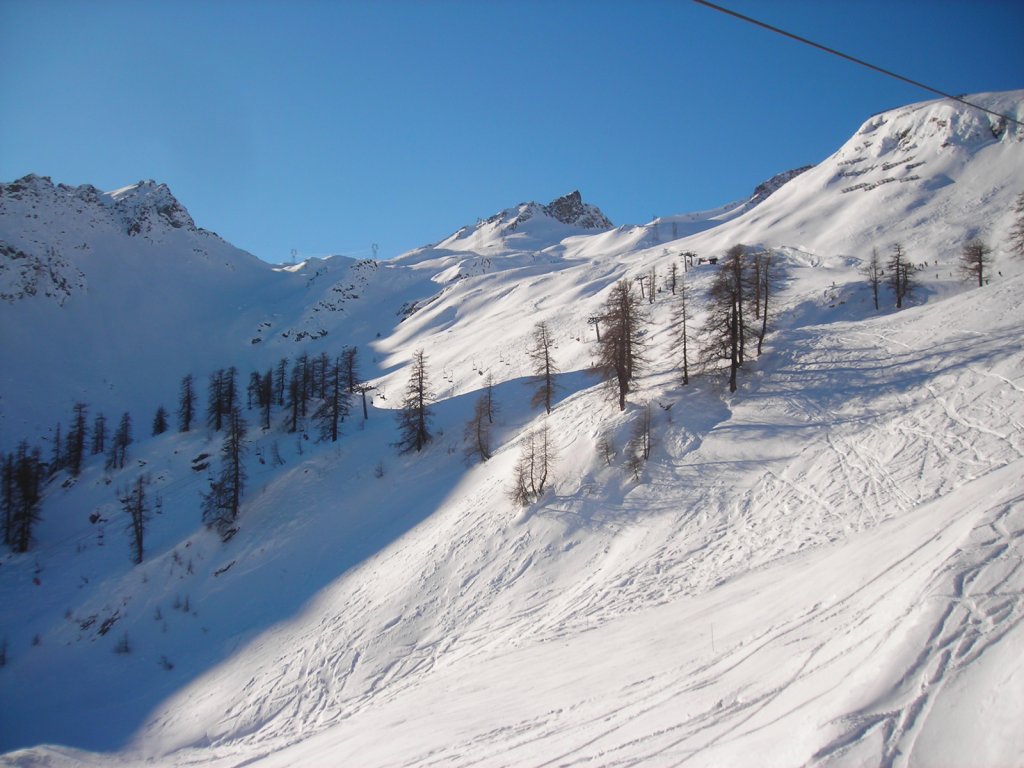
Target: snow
x=824 y=567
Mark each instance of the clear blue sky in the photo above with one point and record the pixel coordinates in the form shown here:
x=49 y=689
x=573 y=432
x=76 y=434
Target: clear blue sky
x=328 y=126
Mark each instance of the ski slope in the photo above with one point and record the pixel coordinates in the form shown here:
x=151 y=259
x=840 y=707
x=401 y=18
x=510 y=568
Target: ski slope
x=823 y=568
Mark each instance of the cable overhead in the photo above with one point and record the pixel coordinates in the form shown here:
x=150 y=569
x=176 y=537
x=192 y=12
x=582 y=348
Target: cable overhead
x=855 y=60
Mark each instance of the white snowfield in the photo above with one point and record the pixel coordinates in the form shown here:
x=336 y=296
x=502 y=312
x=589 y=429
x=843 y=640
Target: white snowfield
x=823 y=568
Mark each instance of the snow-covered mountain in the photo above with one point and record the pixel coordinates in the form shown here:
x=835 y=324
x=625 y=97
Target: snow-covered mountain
x=822 y=568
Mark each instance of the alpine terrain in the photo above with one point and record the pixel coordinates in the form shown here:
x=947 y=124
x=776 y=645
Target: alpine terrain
x=549 y=491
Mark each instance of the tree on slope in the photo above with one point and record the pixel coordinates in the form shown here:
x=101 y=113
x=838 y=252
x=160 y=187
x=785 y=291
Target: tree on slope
x=160 y=421
x=75 y=449
x=873 y=272
x=477 y=432
x=489 y=401
x=99 y=434
x=533 y=468
x=681 y=316
x=540 y=353
x=975 y=261
x=723 y=331
x=1017 y=233
x=57 y=451
x=334 y=406
x=415 y=415
x=122 y=438
x=901 y=274
x=766 y=280
x=350 y=369
x=224 y=499
x=7 y=496
x=266 y=397
x=620 y=351
x=186 y=404
x=134 y=504
x=22 y=487
x=638 y=449
x=222 y=397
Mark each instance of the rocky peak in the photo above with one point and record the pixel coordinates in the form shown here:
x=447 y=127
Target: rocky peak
x=148 y=205
x=570 y=209
x=140 y=209
x=766 y=188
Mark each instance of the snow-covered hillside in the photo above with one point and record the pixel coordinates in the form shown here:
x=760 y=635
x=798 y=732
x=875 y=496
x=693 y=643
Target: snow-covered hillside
x=825 y=567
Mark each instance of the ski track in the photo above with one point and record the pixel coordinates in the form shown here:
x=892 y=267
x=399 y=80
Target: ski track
x=695 y=536
x=844 y=438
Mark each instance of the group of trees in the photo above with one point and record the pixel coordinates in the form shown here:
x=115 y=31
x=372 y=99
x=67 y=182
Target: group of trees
x=25 y=472
x=736 y=310
x=974 y=264
x=739 y=304
x=533 y=468
x=320 y=386
x=21 y=489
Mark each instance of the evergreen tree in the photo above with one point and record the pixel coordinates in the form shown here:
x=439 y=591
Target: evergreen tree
x=681 y=316
x=415 y=415
x=229 y=392
x=252 y=392
x=541 y=349
x=723 y=330
x=267 y=397
x=160 y=421
x=122 y=438
x=281 y=382
x=7 y=497
x=305 y=382
x=222 y=503
x=215 y=401
x=294 y=397
x=75 y=446
x=22 y=486
x=99 y=434
x=186 y=404
x=134 y=504
x=350 y=368
x=222 y=397
x=335 y=404
x=57 y=451
x=322 y=372
x=621 y=347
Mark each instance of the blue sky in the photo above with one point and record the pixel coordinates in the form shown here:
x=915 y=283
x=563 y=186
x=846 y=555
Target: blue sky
x=328 y=126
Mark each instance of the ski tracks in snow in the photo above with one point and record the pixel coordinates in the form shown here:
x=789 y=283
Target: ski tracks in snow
x=974 y=600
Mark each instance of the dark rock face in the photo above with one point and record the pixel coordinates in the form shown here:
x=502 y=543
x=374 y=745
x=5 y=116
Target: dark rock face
x=145 y=208
x=570 y=209
x=766 y=188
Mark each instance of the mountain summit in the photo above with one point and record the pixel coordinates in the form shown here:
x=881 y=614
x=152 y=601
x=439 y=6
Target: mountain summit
x=529 y=226
x=570 y=209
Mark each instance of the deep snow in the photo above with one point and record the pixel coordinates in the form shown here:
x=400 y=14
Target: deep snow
x=822 y=568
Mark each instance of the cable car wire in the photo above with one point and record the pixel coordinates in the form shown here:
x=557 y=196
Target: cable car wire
x=855 y=60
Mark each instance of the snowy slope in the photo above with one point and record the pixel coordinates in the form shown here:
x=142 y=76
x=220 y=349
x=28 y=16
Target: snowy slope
x=824 y=568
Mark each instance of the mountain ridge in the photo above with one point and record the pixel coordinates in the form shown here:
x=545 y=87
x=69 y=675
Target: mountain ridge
x=823 y=567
